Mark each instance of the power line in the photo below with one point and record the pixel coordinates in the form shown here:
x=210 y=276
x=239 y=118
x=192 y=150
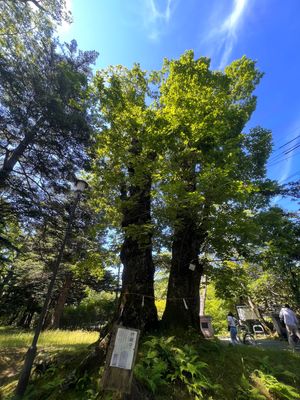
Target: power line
x=273 y=156
x=283 y=159
x=295 y=147
x=286 y=151
x=290 y=141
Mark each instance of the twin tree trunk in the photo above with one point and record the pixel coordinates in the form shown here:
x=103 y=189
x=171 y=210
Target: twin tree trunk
x=137 y=306
x=183 y=299
x=183 y=296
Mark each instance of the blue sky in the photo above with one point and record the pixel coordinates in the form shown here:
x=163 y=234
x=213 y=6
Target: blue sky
x=146 y=31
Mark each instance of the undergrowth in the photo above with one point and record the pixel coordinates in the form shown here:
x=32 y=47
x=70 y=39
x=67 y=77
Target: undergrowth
x=211 y=370
x=163 y=363
x=178 y=367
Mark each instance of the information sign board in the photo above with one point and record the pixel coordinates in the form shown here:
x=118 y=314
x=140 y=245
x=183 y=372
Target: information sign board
x=124 y=347
x=120 y=359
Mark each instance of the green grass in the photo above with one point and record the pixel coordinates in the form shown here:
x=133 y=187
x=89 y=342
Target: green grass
x=10 y=338
x=65 y=348
x=231 y=373
x=173 y=369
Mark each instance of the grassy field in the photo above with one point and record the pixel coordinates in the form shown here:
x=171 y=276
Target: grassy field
x=10 y=338
x=61 y=345
x=182 y=367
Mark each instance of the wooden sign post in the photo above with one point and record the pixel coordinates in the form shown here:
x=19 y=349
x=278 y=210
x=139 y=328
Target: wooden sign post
x=120 y=359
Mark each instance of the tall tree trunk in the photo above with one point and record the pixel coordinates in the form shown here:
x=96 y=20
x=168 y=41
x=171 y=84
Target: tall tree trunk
x=59 y=308
x=28 y=319
x=183 y=299
x=137 y=306
x=183 y=296
x=22 y=320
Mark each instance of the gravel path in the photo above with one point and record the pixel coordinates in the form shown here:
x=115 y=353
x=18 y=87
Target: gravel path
x=267 y=343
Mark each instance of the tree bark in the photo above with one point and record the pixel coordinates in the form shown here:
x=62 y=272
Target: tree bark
x=137 y=306
x=11 y=160
x=183 y=298
x=59 y=308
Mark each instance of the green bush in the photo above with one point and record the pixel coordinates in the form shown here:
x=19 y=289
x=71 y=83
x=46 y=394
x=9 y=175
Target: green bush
x=218 y=309
x=95 y=309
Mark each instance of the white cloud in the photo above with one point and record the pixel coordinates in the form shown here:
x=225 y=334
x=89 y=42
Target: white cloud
x=222 y=39
x=156 y=19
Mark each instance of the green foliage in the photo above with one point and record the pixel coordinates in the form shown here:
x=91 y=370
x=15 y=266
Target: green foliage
x=218 y=309
x=279 y=390
x=95 y=309
x=162 y=363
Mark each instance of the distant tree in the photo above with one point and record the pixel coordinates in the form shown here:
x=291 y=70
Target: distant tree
x=280 y=255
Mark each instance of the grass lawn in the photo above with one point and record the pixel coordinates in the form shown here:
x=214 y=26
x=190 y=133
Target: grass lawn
x=10 y=338
x=63 y=345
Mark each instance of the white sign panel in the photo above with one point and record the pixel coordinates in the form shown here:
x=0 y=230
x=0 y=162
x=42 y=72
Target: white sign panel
x=192 y=267
x=245 y=313
x=123 y=351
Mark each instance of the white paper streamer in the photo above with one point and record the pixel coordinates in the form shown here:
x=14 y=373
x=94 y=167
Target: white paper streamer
x=185 y=305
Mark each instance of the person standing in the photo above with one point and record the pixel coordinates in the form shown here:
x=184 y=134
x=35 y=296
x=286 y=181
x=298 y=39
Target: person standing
x=291 y=322
x=232 y=324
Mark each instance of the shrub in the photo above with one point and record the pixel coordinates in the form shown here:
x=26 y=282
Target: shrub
x=95 y=309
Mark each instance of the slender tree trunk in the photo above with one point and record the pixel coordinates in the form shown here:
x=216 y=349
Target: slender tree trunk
x=27 y=315
x=28 y=320
x=13 y=318
x=183 y=299
x=61 y=302
x=12 y=158
x=21 y=322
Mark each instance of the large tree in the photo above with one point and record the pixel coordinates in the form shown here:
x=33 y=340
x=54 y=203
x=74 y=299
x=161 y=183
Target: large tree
x=210 y=165
x=44 y=123
x=124 y=165
x=44 y=110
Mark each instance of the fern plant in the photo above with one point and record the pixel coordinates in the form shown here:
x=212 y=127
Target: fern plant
x=279 y=390
x=163 y=363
